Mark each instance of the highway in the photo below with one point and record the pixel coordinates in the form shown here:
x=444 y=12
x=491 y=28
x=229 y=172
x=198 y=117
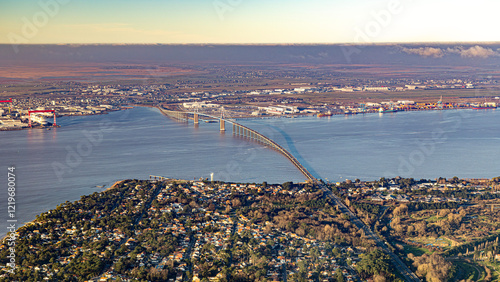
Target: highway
x=407 y=274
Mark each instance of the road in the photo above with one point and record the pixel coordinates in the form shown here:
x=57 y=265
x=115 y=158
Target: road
x=407 y=274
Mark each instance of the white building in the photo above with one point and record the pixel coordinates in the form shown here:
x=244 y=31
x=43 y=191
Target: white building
x=370 y=104
x=198 y=105
x=11 y=124
x=406 y=102
x=376 y=88
x=280 y=110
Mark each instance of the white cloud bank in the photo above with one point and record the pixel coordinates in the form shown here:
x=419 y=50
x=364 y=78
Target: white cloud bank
x=472 y=52
x=425 y=51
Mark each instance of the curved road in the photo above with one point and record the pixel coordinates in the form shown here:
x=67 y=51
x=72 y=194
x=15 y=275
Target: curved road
x=407 y=274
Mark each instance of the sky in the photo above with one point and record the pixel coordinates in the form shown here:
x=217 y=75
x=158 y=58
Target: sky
x=247 y=21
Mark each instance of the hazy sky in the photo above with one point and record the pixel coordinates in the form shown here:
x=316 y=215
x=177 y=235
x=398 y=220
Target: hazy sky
x=248 y=21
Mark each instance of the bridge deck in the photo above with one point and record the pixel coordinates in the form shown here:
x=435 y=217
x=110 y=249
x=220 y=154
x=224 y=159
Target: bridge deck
x=260 y=138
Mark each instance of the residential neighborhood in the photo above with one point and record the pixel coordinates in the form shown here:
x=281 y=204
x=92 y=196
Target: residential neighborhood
x=200 y=230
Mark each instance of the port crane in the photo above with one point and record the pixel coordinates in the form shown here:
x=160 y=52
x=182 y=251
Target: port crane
x=42 y=111
x=7 y=101
x=440 y=103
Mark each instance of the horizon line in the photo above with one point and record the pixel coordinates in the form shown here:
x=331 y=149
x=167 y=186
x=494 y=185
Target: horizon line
x=260 y=44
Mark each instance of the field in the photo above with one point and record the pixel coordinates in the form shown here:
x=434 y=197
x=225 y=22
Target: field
x=466 y=270
x=86 y=72
x=441 y=242
x=417 y=251
x=223 y=77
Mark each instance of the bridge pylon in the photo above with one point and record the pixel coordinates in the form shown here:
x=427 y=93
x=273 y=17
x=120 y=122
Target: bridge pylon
x=222 y=125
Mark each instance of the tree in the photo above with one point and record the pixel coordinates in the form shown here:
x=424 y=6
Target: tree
x=421 y=228
x=401 y=210
x=338 y=276
x=336 y=252
x=433 y=267
x=236 y=202
x=374 y=263
x=287 y=185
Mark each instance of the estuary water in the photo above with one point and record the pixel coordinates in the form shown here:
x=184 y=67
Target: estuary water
x=89 y=152
x=428 y=144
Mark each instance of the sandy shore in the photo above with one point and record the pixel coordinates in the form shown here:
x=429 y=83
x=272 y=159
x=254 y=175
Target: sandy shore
x=115 y=184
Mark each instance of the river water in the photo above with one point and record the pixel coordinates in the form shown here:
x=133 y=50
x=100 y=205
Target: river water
x=62 y=164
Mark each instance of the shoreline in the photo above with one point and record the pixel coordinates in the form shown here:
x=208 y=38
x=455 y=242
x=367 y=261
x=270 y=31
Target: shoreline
x=60 y=116
x=247 y=117
x=305 y=115
x=33 y=221
x=114 y=185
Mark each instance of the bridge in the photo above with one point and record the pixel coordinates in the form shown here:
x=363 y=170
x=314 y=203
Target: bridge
x=243 y=131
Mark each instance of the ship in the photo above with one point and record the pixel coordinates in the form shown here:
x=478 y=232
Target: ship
x=328 y=114
x=43 y=120
x=391 y=110
x=483 y=107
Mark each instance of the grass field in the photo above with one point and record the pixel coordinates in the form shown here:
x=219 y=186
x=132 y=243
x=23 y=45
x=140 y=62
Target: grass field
x=495 y=267
x=433 y=219
x=408 y=249
x=468 y=271
x=441 y=242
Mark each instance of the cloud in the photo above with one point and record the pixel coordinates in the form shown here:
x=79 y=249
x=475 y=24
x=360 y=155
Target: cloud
x=472 y=52
x=425 y=51
x=476 y=51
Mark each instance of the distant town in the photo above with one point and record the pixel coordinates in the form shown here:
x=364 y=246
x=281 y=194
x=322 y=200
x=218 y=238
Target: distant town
x=46 y=102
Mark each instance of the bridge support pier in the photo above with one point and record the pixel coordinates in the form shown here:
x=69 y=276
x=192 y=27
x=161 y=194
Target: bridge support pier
x=222 y=125
x=195 y=118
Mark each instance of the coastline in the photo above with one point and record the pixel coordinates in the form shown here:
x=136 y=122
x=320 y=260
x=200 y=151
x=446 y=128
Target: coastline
x=33 y=221
x=59 y=116
x=115 y=184
x=305 y=115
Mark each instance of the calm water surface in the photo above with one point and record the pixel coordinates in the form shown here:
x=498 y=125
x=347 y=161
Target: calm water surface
x=427 y=144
